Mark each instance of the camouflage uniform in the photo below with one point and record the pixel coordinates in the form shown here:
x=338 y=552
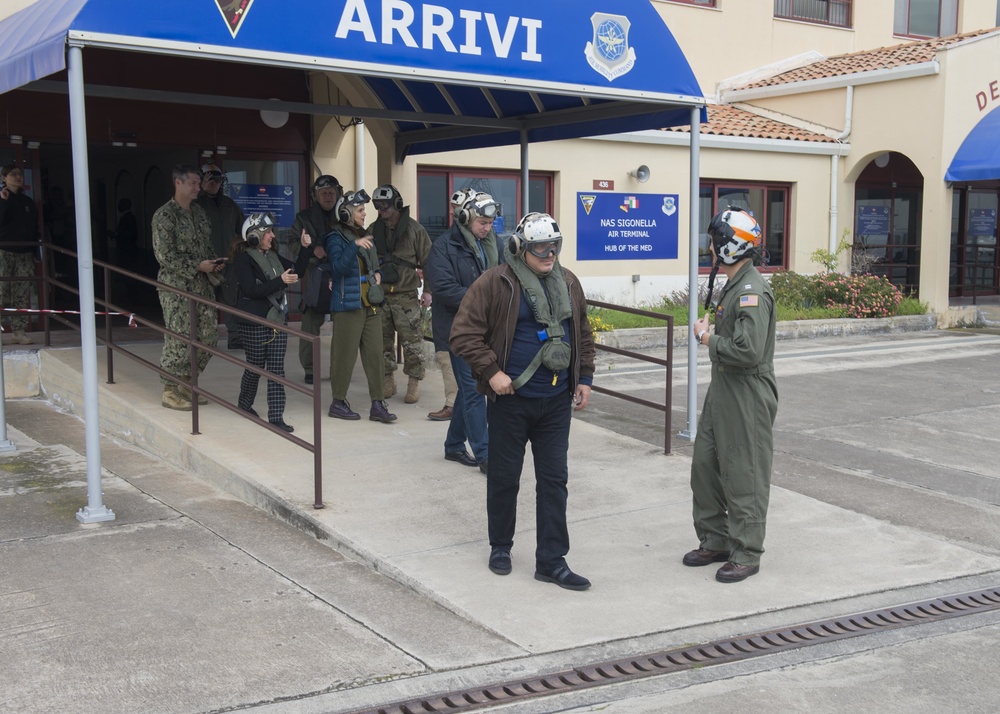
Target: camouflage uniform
x=409 y=245
x=181 y=240
x=18 y=222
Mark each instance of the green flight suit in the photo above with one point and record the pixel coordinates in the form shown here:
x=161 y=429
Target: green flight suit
x=731 y=465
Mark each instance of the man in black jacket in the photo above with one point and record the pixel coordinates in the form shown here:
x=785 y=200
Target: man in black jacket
x=18 y=223
x=459 y=256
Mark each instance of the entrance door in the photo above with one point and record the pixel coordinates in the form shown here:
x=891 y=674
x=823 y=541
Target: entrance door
x=975 y=261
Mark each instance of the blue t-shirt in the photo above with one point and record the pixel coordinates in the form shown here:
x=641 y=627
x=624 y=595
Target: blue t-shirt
x=524 y=348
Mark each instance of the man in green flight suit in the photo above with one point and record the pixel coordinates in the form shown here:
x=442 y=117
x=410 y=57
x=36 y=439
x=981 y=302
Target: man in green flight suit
x=731 y=465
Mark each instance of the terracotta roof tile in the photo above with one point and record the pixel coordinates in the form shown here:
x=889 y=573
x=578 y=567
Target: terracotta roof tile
x=907 y=53
x=726 y=120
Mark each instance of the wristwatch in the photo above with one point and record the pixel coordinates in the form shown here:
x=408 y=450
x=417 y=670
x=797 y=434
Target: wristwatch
x=700 y=335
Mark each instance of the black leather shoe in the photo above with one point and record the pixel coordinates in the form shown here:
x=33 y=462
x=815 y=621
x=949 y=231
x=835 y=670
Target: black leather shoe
x=251 y=410
x=704 y=556
x=484 y=466
x=500 y=560
x=734 y=572
x=308 y=379
x=234 y=345
x=283 y=426
x=462 y=457
x=340 y=409
x=564 y=578
x=379 y=412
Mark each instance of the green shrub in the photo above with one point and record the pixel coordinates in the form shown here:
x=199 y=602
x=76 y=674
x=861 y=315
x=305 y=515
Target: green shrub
x=793 y=289
x=858 y=295
x=911 y=306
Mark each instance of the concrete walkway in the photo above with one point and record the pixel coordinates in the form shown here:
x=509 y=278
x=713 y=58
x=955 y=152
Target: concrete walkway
x=425 y=604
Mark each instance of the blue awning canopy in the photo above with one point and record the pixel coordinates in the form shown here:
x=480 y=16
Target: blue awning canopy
x=978 y=158
x=453 y=75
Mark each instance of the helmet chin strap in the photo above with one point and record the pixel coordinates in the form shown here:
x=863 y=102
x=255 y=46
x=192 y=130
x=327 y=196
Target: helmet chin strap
x=711 y=282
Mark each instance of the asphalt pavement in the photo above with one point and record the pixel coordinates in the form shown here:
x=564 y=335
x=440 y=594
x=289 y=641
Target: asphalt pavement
x=219 y=587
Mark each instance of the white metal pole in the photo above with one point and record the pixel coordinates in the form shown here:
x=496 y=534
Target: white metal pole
x=694 y=192
x=95 y=510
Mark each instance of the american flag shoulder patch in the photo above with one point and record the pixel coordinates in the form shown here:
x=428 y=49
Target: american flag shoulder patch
x=748 y=300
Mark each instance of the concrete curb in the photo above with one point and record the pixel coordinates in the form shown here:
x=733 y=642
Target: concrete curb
x=643 y=338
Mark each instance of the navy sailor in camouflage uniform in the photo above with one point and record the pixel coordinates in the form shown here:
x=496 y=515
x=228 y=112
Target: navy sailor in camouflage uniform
x=182 y=243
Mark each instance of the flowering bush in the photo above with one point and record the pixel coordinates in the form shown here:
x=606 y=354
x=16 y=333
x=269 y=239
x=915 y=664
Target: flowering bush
x=597 y=324
x=858 y=295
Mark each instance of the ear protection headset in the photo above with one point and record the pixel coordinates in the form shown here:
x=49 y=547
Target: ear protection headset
x=326 y=181
x=348 y=202
x=388 y=192
x=255 y=226
x=482 y=205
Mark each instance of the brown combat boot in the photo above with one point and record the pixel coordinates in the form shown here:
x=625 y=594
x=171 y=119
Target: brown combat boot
x=19 y=337
x=172 y=399
x=186 y=393
x=412 y=391
x=389 y=387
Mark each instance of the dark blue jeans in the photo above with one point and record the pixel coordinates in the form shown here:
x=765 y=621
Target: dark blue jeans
x=468 y=417
x=514 y=421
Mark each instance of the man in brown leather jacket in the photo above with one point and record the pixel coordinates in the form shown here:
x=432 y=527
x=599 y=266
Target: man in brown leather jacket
x=522 y=328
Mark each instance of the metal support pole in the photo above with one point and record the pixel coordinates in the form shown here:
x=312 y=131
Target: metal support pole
x=95 y=510
x=525 y=193
x=5 y=443
x=694 y=192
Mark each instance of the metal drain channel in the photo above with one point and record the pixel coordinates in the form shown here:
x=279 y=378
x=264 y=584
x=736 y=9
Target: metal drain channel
x=718 y=652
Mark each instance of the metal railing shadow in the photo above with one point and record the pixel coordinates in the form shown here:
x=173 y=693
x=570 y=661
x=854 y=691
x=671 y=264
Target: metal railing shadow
x=666 y=362
x=194 y=346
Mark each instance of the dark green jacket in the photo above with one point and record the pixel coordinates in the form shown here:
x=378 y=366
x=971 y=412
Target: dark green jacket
x=409 y=245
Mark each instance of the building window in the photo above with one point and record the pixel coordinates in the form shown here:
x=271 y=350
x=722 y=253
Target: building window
x=435 y=187
x=926 y=18
x=824 y=12
x=768 y=204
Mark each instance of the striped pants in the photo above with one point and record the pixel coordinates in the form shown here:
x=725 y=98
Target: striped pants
x=265 y=348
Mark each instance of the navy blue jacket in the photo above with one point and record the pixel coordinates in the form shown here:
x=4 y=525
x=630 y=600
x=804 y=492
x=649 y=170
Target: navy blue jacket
x=342 y=252
x=451 y=268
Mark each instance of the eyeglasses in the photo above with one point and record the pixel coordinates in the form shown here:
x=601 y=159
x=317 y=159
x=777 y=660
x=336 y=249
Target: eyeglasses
x=543 y=250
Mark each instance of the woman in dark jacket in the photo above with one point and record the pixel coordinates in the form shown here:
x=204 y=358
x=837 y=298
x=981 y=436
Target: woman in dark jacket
x=262 y=276
x=357 y=320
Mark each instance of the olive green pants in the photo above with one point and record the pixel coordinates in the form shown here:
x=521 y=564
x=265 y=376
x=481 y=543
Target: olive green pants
x=356 y=331
x=731 y=465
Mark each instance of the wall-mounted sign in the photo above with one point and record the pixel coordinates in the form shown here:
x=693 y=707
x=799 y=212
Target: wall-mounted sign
x=982 y=221
x=872 y=221
x=260 y=198
x=626 y=226
x=604 y=185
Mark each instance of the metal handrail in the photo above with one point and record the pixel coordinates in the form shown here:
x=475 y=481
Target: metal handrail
x=193 y=347
x=667 y=362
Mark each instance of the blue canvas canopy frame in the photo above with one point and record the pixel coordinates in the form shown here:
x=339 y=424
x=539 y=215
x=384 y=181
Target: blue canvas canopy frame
x=458 y=74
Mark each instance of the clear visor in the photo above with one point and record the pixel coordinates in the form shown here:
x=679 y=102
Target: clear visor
x=543 y=250
x=489 y=209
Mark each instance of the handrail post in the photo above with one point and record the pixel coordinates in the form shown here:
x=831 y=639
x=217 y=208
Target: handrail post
x=317 y=426
x=107 y=326
x=193 y=364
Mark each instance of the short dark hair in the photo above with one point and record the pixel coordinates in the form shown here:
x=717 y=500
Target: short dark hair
x=8 y=168
x=182 y=170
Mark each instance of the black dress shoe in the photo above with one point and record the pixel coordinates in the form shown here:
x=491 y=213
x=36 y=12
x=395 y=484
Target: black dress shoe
x=234 y=345
x=251 y=410
x=484 y=466
x=308 y=379
x=461 y=457
x=704 y=556
x=283 y=426
x=564 y=578
x=500 y=560
x=734 y=572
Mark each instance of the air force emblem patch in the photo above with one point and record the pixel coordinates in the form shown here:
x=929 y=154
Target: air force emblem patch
x=608 y=52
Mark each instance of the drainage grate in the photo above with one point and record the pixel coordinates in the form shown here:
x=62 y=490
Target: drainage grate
x=718 y=652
